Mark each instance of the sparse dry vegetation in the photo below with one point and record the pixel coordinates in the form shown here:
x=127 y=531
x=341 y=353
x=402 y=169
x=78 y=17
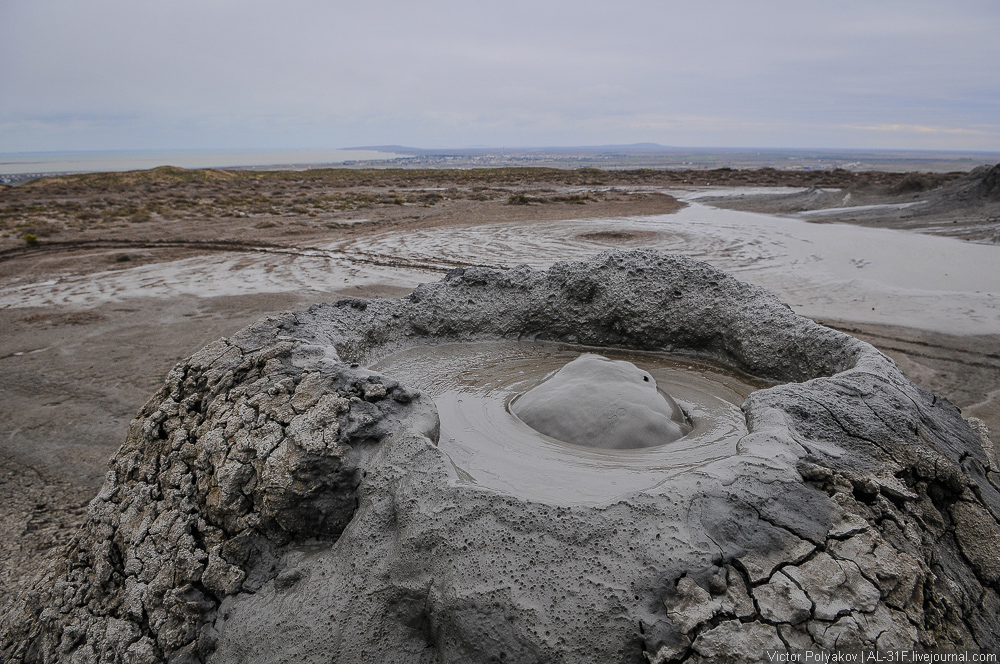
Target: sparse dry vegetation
x=89 y=202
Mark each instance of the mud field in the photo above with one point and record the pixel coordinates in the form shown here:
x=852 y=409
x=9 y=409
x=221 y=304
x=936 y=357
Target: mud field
x=129 y=274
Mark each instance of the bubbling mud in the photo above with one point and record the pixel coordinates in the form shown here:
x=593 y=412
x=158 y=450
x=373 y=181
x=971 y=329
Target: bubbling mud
x=476 y=386
x=597 y=402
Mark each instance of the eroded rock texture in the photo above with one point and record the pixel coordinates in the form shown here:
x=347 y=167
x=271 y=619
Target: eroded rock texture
x=274 y=502
x=239 y=453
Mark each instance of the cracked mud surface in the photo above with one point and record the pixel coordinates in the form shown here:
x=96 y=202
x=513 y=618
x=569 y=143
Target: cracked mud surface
x=274 y=501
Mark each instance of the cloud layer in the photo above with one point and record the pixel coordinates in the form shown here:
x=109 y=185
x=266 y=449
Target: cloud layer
x=107 y=74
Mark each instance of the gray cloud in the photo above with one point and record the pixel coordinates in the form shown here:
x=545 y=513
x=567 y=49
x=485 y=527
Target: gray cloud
x=226 y=74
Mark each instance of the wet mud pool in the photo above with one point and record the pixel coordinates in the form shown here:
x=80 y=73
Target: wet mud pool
x=475 y=386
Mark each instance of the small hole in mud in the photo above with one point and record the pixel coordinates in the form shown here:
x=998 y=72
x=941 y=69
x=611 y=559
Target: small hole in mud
x=619 y=236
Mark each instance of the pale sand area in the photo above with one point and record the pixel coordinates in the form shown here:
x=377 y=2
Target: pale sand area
x=80 y=353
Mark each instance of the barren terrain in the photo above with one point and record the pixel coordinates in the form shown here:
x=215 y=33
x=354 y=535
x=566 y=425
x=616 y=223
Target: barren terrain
x=966 y=207
x=75 y=373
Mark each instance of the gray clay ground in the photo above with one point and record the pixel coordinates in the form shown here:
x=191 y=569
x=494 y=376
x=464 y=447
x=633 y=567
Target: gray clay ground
x=274 y=501
x=967 y=208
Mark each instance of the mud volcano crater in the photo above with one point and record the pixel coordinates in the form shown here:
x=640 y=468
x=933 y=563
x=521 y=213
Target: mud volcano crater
x=307 y=490
x=563 y=424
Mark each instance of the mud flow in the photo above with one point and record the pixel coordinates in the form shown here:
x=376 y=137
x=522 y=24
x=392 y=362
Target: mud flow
x=519 y=418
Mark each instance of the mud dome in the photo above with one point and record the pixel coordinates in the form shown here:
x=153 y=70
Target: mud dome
x=275 y=501
x=602 y=403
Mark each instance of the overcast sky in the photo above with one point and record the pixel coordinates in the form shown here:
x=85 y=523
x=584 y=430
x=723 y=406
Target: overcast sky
x=145 y=74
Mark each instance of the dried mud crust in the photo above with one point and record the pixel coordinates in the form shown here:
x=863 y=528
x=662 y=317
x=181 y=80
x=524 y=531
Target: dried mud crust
x=275 y=502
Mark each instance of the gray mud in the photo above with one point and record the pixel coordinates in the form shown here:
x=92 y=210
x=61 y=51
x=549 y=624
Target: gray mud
x=967 y=208
x=474 y=386
x=601 y=403
x=274 y=501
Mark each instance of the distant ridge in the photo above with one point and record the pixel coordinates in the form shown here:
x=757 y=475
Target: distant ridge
x=656 y=148
x=631 y=148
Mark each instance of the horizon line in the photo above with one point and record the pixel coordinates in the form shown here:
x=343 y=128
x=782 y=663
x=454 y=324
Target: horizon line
x=648 y=147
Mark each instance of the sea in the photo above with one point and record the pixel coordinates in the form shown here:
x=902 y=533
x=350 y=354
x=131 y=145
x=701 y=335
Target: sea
x=24 y=163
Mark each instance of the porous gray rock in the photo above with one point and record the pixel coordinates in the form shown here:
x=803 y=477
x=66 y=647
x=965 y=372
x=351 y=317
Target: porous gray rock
x=277 y=502
x=835 y=587
x=735 y=641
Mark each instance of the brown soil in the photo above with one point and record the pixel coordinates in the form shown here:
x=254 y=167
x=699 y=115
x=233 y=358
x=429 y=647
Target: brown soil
x=289 y=207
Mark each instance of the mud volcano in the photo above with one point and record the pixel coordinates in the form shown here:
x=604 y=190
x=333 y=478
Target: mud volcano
x=285 y=497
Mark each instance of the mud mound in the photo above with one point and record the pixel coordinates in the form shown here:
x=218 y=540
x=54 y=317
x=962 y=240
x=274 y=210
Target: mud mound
x=982 y=184
x=989 y=186
x=602 y=403
x=277 y=502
